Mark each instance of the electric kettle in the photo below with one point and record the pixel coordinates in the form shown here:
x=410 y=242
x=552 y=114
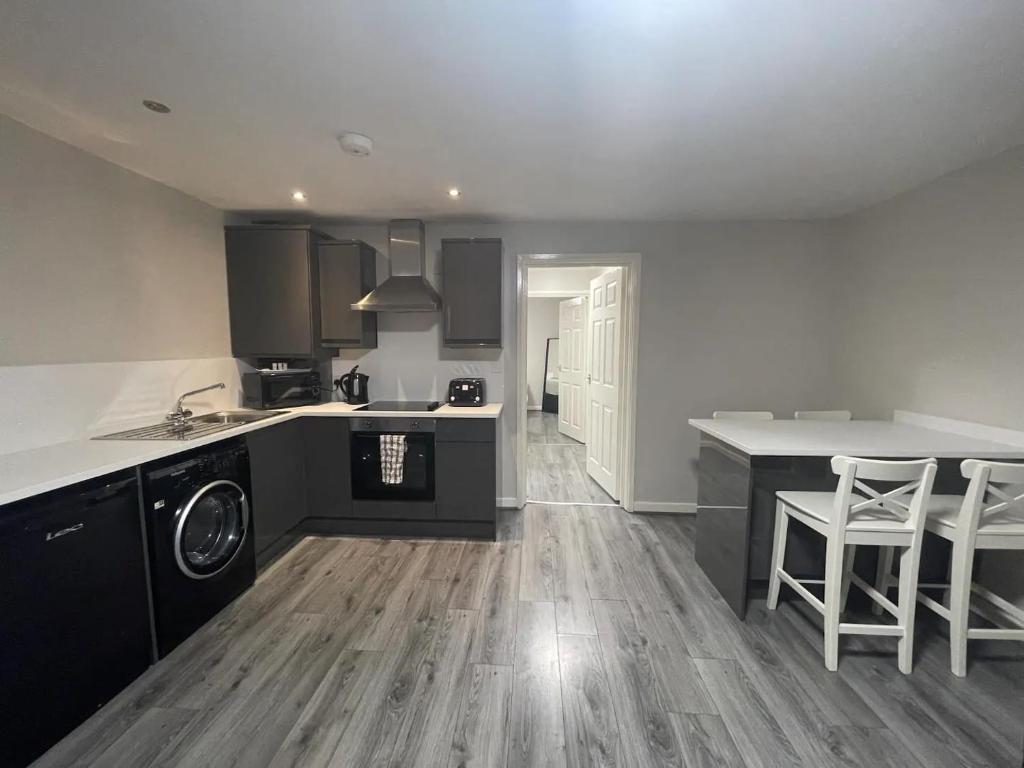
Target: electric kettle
x=354 y=387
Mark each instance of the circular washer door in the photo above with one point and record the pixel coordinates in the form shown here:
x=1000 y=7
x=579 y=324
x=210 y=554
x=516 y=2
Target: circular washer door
x=210 y=528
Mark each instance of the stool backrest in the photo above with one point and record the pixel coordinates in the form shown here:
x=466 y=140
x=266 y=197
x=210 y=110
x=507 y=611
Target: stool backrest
x=744 y=415
x=991 y=490
x=823 y=415
x=915 y=479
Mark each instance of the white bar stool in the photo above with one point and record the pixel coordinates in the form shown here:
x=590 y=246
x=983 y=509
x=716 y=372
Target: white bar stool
x=988 y=517
x=744 y=415
x=848 y=519
x=823 y=415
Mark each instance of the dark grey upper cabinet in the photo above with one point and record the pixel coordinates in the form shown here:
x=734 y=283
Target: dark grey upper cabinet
x=273 y=290
x=348 y=271
x=471 y=275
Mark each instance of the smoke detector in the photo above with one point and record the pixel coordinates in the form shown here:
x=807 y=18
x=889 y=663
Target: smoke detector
x=356 y=144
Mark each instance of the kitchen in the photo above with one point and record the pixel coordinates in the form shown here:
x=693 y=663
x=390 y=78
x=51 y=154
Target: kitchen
x=473 y=629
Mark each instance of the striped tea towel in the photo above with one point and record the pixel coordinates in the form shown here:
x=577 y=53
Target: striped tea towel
x=392 y=459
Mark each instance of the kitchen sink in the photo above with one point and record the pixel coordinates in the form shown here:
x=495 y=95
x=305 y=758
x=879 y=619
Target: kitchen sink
x=190 y=429
x=233 y=417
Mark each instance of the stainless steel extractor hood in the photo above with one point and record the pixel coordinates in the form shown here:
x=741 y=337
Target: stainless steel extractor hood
x=406 y=290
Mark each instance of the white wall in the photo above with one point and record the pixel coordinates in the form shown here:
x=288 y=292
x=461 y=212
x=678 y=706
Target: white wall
x=561 y=281
x=99 y=264
x=732 y=315
x=541 y=325
x=113 y=294
x=931 y=315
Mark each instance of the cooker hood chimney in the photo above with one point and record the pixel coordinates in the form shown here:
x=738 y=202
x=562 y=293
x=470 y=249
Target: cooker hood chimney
x=405 y=290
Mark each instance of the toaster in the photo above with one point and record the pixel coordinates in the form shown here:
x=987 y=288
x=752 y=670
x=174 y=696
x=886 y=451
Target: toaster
x=466 y=392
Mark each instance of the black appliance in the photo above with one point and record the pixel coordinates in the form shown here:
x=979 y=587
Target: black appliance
x=417 y=472
x=74 y=609
x=201 y=546
x=402 y=405
x=466 y=392
x=354 y=387
x=280 y=389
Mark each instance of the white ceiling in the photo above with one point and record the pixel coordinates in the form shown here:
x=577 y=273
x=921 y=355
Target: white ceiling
x=614 y=109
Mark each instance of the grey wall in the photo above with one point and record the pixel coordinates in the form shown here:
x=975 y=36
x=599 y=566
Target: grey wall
x=931 y=316
x=732 y=315
x=541 y=325
x=100 y=264
x=931 y=311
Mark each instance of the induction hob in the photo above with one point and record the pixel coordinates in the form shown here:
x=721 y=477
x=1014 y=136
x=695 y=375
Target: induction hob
x=400 y=405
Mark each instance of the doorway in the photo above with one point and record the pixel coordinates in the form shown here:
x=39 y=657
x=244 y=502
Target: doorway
x=577 y=318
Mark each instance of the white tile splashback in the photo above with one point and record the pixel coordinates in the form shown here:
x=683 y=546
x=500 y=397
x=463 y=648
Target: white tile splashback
x=46 y=404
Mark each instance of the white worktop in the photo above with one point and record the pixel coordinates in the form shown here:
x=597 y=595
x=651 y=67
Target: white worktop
x=877 y=439
x=28 y=473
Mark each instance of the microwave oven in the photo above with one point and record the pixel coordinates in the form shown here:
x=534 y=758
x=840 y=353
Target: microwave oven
x=280 y=389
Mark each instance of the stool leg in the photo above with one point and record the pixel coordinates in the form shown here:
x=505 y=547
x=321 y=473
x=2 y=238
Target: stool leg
x=833 y=589
x=778 y=554
x=851 y=553
x=909 y=561
x=883 y=574
x=961 y=565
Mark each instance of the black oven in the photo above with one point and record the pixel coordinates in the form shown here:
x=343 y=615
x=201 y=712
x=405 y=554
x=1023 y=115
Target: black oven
x=280 y=389
x=393 y=459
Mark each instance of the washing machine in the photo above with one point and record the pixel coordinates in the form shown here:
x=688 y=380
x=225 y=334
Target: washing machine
x=199 y=521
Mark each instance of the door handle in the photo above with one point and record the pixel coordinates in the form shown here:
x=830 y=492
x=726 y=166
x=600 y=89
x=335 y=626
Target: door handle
x=588 y=378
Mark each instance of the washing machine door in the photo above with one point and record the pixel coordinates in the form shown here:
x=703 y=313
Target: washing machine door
x=210 y=528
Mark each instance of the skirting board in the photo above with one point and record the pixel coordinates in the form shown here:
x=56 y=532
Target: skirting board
x=667 y=507
x=534 y=407
x=966 y=428
x=506 y=502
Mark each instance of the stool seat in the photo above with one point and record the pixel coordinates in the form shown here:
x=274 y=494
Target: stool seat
x=816 y=509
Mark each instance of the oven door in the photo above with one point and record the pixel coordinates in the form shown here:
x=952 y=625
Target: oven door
x=382 y=470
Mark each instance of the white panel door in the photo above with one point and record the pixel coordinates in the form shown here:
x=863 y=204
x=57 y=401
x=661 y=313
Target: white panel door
x=604 y=342
x=572 y=362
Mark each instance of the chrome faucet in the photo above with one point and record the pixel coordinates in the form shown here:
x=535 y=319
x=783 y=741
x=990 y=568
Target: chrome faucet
x=179 y=414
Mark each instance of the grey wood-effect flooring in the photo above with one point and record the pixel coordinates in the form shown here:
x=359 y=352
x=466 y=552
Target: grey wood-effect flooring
x=584 y=636
x=556 y=465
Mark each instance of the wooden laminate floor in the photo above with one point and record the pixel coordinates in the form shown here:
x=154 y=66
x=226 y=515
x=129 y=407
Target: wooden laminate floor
x=556 y=465
x=583 y=637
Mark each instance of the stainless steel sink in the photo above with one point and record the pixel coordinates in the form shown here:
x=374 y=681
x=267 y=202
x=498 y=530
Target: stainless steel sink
x=190 y=429
x=233 y=417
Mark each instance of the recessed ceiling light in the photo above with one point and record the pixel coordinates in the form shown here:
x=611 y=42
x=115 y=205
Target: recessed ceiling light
x=299 y=196
x=156 y=106
x=454 y=192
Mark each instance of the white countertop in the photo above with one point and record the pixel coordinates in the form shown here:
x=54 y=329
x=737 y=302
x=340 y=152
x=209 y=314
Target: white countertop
x=28 y=473
x=851 y=438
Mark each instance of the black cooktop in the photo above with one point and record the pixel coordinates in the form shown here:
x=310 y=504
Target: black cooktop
x=400 y=405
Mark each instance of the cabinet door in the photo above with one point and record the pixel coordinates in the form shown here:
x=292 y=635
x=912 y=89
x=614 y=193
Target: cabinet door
x=328 y=467
x=471 y=273
x=279 y=501
x=269 y=292
x=465 y=481
x=347 y=273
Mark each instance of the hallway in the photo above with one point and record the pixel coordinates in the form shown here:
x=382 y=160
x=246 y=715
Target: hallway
x=556 y=465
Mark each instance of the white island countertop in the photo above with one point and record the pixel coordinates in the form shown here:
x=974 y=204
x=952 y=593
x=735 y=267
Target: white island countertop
x=878 y=439
x=29 y=473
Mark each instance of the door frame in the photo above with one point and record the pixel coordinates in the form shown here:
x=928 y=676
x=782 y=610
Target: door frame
x=628 y=358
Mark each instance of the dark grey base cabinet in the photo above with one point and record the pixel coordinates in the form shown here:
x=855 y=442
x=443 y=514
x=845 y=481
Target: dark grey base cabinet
x=328 y=466
x=465 y=469
x=278 y=469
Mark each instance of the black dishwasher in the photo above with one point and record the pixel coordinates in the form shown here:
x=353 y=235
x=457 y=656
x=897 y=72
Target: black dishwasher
x=74 y=610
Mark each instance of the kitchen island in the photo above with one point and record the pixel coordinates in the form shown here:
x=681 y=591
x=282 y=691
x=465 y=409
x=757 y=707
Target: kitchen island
x=744 y=463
